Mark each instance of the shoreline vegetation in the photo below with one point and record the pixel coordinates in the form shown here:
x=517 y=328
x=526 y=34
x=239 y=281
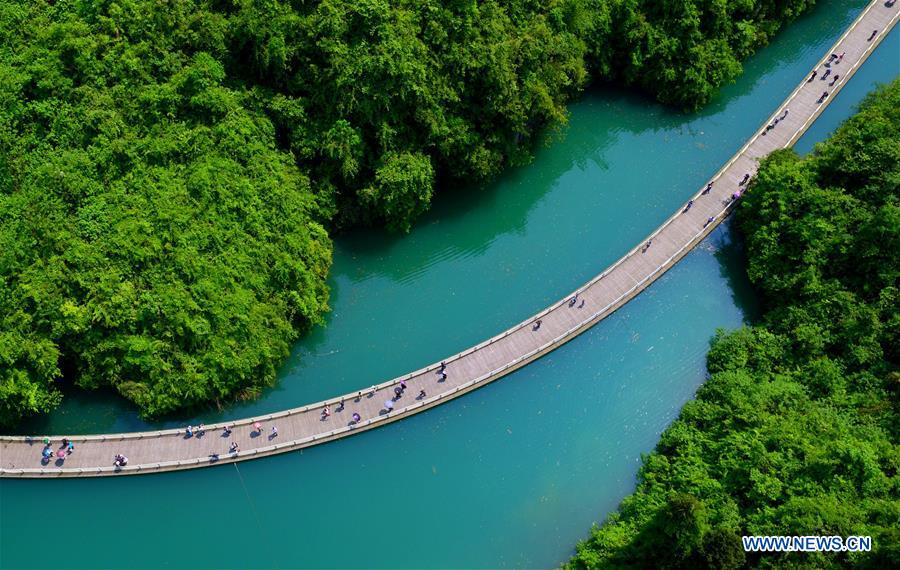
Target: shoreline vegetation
x=795 y=430
x=170 y=170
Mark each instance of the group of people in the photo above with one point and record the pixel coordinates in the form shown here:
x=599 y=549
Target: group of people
x=835 y=59
x=775 y=122
x=709 y=185
x=64 y=451
x=399 y=390
x=737 y=194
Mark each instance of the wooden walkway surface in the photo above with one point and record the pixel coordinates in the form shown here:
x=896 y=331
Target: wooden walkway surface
x=152 y=452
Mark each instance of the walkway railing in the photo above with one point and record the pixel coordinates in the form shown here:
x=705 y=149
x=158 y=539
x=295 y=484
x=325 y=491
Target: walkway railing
x=17 y=451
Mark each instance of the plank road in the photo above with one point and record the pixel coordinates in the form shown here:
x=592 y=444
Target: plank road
x=167 y=450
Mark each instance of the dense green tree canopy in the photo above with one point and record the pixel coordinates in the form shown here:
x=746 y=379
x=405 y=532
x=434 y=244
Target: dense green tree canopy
x=168 y=167
x=795 y=431
x=152 y=238
x=468 y=84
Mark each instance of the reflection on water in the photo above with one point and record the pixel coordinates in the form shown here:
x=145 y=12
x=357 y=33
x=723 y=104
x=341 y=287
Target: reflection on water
x=488 y=256
x=515 y=472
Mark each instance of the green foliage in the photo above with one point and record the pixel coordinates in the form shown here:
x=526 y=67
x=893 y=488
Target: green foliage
x=795 y=431
x=682 y=51
x=167 y=167
x=468 y=85
x=402 y=189
x=152 y=238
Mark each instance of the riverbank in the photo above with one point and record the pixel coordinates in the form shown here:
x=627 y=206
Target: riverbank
x=542 y=465
x=792 y=433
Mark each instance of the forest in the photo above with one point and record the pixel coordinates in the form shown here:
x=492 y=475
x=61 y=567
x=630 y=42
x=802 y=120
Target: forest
x=170 y=170
x=795 y=431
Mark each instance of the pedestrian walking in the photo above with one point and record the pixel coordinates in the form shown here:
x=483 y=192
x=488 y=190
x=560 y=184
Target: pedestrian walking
x=537 y=325
x=707 y=190
x=872 y=37
x=813 y=76
x=274 y=431
x=582 y=304
x=688 y=207
x=744 y=179
x=647 y=246
x=823 y=97
x=840 y=57
x=709 y=220
x=341 y=405
x=421 y=394
x=833 y=81
x=825 y=75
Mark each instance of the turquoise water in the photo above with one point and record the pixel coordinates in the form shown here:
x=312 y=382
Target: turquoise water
x=511 y=475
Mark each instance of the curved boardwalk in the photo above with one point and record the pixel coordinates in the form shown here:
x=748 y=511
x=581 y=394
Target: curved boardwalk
x=151 y=452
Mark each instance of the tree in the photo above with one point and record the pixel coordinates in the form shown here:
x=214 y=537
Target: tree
x=794 y=432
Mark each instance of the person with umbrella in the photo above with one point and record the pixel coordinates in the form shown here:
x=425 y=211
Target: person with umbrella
x=389 y=404
x=356 y=418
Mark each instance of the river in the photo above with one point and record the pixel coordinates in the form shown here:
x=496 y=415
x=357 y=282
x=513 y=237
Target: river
x=515 y=473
